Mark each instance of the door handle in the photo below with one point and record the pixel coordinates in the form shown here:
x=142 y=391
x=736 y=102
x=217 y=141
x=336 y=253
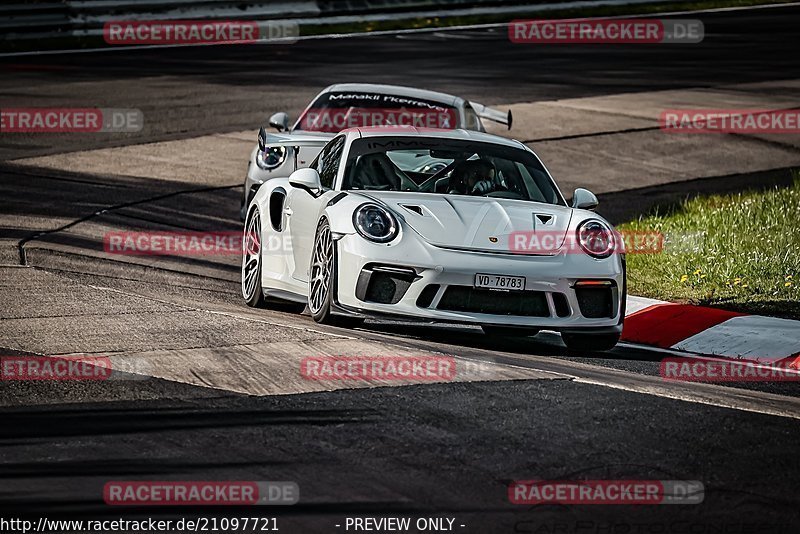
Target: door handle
x=287 y=211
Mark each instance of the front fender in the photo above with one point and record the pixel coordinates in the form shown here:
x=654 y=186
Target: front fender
x=340 y=209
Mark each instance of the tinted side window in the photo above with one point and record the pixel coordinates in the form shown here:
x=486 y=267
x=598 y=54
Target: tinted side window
x=327 y=163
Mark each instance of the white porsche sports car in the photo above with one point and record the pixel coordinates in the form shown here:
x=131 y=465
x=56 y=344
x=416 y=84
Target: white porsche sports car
x=351 y=105
x=485 y=238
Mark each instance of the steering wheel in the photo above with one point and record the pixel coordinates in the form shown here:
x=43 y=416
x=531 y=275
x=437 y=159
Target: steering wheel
x=441 y=172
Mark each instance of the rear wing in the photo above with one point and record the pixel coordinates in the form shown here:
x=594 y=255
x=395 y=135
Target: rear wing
x=271 y=140
x=491 y=114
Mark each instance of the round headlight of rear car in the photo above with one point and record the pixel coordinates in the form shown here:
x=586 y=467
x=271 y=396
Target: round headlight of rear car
x=596 y=238
x=375 y=223
x=271 y=158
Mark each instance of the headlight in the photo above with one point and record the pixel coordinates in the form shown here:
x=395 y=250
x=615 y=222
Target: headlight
x=271 y=158
x=596 y=239
x=375 y=223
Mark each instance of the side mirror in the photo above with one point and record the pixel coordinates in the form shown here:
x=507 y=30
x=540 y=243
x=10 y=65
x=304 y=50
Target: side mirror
x=307 y=179
x=279 y=121
x=584 y=199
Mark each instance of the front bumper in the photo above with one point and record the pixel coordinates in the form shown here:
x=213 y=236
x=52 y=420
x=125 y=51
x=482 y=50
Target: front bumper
x=436 y=284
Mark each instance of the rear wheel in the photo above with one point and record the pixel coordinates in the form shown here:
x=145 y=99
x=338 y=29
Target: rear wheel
x=590 y=342
x=323 y=280
x=508 y=331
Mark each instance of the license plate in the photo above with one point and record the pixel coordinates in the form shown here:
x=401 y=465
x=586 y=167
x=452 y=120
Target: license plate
x=499 y=281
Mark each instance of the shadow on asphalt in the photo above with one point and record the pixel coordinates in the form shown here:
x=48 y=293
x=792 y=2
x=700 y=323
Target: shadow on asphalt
x=543 y=344
x=443 y=449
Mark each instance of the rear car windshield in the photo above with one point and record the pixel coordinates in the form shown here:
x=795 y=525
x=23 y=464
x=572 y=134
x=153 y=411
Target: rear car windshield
x=336 y=111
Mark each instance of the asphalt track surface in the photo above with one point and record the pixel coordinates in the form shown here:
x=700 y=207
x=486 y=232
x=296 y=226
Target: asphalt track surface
x=444 y=450
x=185 y=92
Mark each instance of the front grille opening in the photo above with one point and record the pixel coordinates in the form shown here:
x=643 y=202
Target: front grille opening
x=561 y=304
x=595 y=302
x=384 y=288
x=519 y=303
x=384 y=284
x=425 y=298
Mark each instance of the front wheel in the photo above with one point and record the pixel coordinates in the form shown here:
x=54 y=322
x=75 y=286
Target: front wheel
x=590 y=342
x=252 y=290
x=251 y=261
x=323 y=281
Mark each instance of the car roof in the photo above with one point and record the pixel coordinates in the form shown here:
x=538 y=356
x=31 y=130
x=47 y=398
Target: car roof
x=412 y=131
x=396 y=90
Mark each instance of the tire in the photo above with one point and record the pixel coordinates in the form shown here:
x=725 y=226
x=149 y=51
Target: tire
x=251 y=270
x=590 y=342
x=322 y=281
x=508 y=331
x=251 y=261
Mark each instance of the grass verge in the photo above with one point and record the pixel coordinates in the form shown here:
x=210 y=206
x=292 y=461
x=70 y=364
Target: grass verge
x=740 y=252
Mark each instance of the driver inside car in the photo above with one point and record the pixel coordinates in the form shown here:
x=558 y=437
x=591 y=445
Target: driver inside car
x=474 y=177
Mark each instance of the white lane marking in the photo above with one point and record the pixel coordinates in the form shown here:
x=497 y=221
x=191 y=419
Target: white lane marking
x=736 y=399
x=399 y=32
x=717 y=395
x=634 y=304
x=765 y=365
x=752 y=337
x=711 y=394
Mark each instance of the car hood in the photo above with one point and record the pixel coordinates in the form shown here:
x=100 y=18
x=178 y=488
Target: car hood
x=477 y=223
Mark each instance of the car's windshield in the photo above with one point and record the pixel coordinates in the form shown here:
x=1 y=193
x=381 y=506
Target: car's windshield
x=335 y=111
x=447 y=166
